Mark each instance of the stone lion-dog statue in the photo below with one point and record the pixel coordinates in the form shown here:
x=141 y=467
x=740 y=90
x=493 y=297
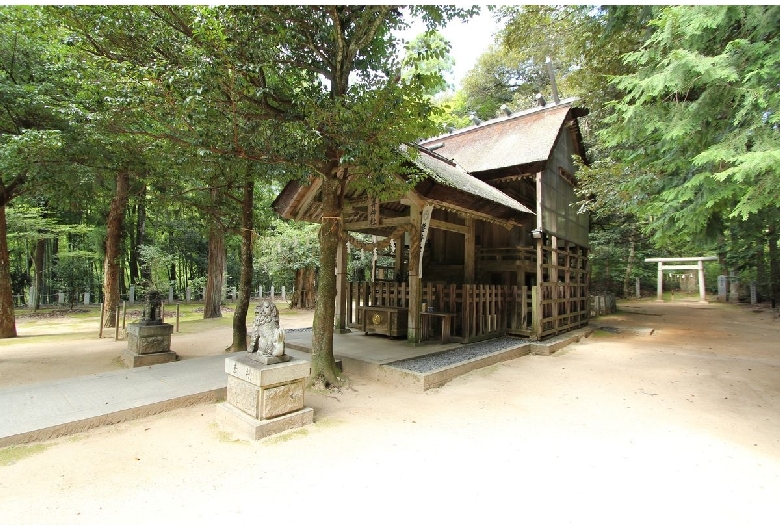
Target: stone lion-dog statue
x=266 y=342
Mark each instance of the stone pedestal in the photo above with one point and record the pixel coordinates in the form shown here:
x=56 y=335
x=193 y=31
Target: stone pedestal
x=264 y=399
x=148 y=344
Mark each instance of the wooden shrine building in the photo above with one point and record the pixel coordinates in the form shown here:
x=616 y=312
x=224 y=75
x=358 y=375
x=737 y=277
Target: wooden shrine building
x=489 y=242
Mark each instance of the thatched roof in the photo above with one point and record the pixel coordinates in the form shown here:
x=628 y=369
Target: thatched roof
x=521 y=139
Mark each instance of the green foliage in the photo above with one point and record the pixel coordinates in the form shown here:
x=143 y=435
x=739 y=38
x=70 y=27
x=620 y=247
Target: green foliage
x=696 y=129
x=503 y=76
x=284 y=248
x=428 y=55
x=72 y=272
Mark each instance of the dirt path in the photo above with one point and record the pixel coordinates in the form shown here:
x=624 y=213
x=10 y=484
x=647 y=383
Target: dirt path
x=673 y=422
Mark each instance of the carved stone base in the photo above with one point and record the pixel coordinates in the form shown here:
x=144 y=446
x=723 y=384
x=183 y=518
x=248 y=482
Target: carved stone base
x=262 y=359
x=237 y=421
x=143 y=339
x=263 y=399
x=148 y=344
x=134 y=360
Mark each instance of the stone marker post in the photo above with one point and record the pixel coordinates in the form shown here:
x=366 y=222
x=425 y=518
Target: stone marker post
x=61 y=298
x=131 y=296
x=284 y=294
x=638 y=291
x=86 y=298
x=170 y=294
x=722 y=288
x=734 y=288
x=188 y=294
x=753 y=294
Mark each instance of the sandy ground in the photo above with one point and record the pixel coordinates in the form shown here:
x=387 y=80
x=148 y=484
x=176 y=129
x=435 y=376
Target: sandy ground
x=672 y=423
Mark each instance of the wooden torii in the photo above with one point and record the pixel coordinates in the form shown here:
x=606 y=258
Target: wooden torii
x=699 y=266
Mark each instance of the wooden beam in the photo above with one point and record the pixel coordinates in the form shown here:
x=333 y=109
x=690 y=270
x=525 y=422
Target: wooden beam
x=383 y=222
x=308 y=198
x=664 y=260
x=413 y=199
x=450 y=227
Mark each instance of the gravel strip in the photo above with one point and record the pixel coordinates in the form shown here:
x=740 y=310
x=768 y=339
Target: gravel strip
x=436 y=361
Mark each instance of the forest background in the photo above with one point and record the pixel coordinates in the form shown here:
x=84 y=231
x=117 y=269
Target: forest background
x=143 y=145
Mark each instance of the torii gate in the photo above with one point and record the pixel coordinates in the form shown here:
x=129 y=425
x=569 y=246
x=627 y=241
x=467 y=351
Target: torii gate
x=699 y=267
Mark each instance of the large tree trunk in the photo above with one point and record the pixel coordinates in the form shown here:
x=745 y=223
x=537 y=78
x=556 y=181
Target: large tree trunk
x=140 y=236
x=322 y=360
x=303 y=297
x=7 y=319
x=629 y=268
x=774 y=264
x=40 y=251
x=114 y=231
x=245 y=282
x=212 y=303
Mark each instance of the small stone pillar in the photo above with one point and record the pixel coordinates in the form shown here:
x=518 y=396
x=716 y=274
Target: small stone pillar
x=753 y=294
x=149 y=340
x=734 y=288
x=272 y=292
x=61 y=298
x=170 y=295
x=188 y=295
x=638 y=290
x=260 y=292
x=86 y=298
x=264 y=399
x=284 y=294
x=131 y=296
x=722 y=288
x=31 y=298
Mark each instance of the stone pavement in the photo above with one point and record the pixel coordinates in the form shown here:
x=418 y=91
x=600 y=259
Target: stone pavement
x=38 y=412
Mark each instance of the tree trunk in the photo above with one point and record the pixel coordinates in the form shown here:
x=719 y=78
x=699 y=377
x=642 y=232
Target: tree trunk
x=774 y=264
x=212 y=303
x=132 y=254
x=114 y=230
x=40 y=251
x=304 y=289
x=7 y=318
x=322 y=360
x=629 y=268
x=245 y=282
x=140 y=236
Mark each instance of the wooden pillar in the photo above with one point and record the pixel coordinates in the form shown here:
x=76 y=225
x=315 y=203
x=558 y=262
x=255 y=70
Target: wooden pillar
x=660 y=296
x=702 y=292
x=470 y=255
x=413 y=328
x=340 y=320
x=399 y=258
x=554 y=280
x=537 y=293
x=373 y=261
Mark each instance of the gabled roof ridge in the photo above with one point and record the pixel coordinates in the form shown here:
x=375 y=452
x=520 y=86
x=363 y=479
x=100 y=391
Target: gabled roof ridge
x=501 y=119
x=434 y=154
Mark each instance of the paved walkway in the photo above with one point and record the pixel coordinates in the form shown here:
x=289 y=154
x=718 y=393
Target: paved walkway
x=42 y=411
